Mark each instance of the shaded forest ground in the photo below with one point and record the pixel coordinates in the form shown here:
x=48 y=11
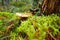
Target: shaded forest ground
x=13 y=27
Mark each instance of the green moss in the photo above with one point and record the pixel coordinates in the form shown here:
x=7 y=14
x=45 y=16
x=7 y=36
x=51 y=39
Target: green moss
x=35 y=27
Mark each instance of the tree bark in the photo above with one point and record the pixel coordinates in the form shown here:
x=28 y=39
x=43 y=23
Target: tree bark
x=50 y=6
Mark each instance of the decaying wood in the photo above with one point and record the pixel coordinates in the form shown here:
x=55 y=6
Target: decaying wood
x=23 y=16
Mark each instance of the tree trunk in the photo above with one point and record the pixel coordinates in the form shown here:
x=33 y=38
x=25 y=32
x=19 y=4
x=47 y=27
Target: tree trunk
x=50 y=6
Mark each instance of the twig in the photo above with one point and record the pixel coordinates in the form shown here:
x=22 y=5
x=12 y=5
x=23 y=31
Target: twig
x=51 y=35
x=9 y=27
